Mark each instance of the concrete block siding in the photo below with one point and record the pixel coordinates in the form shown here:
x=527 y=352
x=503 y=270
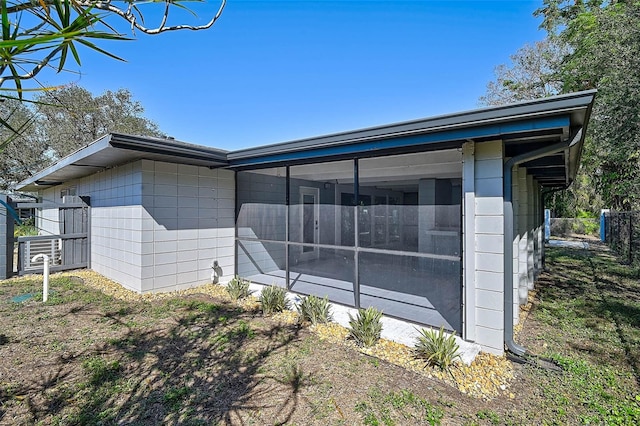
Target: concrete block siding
x=189 y=212
x=489 y=255
x=158 y=226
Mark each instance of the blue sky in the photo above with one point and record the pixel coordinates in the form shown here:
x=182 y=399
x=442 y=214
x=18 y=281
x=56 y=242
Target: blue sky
x=273 y=71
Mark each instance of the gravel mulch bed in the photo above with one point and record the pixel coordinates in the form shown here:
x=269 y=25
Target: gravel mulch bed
x=487 y=377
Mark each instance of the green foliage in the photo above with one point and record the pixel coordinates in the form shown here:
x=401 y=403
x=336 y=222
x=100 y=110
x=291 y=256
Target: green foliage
x=100 y=370
x=591 y=316
x=65 y=120
x=391 y=408
x=238 y=288
x=315 y=310
x=597 y=44
x=26 y=229
x=437 y=348
x=489 y=415
x=273 y=299
x=366 y=326
x=531 y=74
x=174 y=396
x=44 y=35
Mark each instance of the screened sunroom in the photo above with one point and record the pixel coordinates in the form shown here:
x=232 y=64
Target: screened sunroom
x=435 y=221
x=382 y=231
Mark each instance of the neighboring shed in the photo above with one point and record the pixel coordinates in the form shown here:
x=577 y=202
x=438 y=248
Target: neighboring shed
x=435 y=221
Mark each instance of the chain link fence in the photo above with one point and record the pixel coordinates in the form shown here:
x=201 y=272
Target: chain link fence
x=622 y=234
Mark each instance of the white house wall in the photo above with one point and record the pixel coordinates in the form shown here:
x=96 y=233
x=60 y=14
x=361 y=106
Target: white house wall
x=538 y=231
x=489 y=252
x=115 y=221
x=469 y=238
x=530 y=232
x=528 y=228
x=157 y=226
x=515 y=197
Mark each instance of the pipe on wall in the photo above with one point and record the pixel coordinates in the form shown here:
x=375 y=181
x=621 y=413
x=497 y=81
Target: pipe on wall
x=511 y=345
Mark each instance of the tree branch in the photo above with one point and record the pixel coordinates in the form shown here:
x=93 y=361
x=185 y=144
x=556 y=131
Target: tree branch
x=31 y=74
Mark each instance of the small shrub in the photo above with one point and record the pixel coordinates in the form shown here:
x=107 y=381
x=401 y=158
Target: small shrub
x=437 y=348
x=315 y=310
x=273 y=299
x=366 y=326
x=238 y=288
x=27 y=229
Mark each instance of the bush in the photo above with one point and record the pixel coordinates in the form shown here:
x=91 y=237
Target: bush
x=238 y=288
x=274 y=299
x=27 y=228
x=315 y=310
x=366 y=326
x=437 y=348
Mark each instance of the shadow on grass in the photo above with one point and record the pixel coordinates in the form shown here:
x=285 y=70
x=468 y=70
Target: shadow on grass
x=205 y=364
x=593 y=295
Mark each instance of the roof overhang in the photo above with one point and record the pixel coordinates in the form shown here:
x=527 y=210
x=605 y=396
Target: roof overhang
x=523 y=126
x=116 y=149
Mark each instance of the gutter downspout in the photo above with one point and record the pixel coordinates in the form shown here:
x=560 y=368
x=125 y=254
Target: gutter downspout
x=512 y=346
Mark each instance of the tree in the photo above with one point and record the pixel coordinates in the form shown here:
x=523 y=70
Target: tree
x=605 y=43
x=71 y=117
x=57 y=131
x=601 y=42
x=532 y=74
x=23 y=154
x=41 y=35
x=38 y=35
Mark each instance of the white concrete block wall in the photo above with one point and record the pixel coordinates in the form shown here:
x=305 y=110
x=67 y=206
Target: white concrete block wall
x=515 y=194
x=469 y=238
x=536 y=230
x=530 y=232
x=115 y=212
x=48 y=220
x=523 y=226
x=188 y=221
x=158 y=226
x=540 y=216
x=489 y=253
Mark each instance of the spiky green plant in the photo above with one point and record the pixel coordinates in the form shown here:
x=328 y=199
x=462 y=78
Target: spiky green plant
x=366 y=326
x=274 y=299
x=437 y=347
x=315 y=310
x=238 y=288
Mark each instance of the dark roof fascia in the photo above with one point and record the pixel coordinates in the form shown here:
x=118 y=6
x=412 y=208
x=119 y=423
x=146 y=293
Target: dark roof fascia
x=481 y=117
x=92 y=148
x=176 y=149
x=445 y=136
x=169 y=147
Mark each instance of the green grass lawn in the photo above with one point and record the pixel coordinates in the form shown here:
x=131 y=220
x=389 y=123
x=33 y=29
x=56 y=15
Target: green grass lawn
x=88 y=358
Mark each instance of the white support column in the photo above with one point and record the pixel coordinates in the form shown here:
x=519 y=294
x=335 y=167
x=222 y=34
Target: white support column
x=468 y=251
x=541 y=231
x=523 y=285
x=537 y=228
x=516 y=244
x=489 y=247
x=530 y=232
